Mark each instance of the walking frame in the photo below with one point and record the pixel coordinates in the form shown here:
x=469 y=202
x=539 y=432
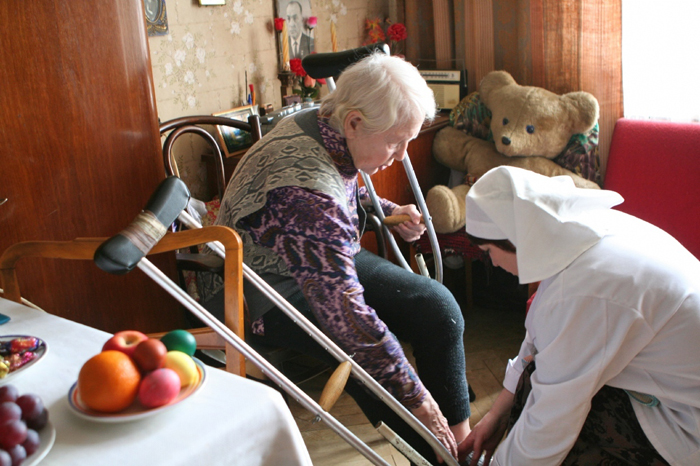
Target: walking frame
x=327 y=65
x=110 y=257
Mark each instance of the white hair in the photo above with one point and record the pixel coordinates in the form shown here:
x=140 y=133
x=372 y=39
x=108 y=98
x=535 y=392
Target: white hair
x=386 y=90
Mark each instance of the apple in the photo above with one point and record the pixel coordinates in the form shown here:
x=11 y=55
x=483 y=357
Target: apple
x=159 y=388
x=184 y=366
x=149 y=355
x=180 y=340
x=125 y=341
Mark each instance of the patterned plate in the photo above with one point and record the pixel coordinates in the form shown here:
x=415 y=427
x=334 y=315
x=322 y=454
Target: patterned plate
x=40 y=352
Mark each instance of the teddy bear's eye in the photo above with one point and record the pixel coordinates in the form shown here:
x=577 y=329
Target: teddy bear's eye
x=505 y=121
x=530 y=129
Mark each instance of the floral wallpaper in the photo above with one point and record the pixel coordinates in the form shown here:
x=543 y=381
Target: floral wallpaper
x=210 y=54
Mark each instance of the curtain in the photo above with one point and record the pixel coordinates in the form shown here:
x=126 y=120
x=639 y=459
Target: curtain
x=562 y=46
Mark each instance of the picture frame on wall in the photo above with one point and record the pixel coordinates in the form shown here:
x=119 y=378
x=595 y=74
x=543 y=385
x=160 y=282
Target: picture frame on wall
x=234 y=141
x=301 y=37
x=156 y=17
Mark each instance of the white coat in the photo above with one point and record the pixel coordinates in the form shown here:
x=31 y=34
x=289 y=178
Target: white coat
x=619 y=305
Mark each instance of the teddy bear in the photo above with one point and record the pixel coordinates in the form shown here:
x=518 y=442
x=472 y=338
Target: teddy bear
x=523 y=126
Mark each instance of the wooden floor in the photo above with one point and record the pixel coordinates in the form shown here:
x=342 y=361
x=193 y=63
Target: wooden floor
x=491 y=338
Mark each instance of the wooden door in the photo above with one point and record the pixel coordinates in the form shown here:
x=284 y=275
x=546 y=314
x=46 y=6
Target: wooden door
x=79 y=151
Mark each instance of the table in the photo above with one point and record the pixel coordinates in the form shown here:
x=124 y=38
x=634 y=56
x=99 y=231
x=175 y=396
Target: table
x=230 y=420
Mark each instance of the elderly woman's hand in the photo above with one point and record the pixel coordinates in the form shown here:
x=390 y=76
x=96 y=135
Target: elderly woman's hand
x=430 y=415
x=411 y=230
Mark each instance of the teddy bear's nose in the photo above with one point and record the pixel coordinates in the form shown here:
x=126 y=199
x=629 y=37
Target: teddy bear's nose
x=505 y=141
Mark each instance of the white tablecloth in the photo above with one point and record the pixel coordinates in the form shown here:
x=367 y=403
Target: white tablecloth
x=230 y=420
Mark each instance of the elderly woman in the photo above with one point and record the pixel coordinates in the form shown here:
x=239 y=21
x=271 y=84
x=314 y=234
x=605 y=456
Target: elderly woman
x=294 y=199
x=609 y=371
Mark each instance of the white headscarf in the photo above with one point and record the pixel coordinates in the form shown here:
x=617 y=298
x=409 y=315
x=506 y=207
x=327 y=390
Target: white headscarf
x=548 y=219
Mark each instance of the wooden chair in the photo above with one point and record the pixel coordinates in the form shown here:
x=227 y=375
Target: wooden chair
x=84 y=249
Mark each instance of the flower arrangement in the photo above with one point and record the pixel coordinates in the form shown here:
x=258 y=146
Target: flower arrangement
x=309 y=88
x=396 y=32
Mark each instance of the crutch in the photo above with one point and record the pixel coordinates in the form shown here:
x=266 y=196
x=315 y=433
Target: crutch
x=326 y=66
x=126 y=250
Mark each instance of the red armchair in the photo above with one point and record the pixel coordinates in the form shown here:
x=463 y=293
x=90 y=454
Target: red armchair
x=655 y=166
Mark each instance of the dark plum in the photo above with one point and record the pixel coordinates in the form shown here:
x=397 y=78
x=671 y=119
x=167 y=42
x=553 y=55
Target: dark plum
x=31 y=444
x=40 y=421
x=12 y=433
x=9 y=411
x=18 y=454
x=31 y=405
x=8 y=393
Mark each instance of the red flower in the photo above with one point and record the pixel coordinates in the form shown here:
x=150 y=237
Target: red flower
x=295 y=66
x=321 y=81
x=311 y=22
x=397 y=32
x=279 y=24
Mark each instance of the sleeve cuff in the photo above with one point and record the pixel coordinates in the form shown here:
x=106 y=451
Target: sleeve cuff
x=513 y=373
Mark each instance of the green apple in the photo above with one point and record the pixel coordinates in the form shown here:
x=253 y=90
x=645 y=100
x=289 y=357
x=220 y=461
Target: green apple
x=180 y=340
x=184 y=366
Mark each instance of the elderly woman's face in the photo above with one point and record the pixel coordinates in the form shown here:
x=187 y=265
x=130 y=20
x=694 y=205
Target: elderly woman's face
x=374 y=152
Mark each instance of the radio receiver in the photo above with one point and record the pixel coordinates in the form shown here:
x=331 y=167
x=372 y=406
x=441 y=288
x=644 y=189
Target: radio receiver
x=449 y=86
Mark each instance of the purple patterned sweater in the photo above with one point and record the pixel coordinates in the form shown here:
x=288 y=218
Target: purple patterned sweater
x=318 y=238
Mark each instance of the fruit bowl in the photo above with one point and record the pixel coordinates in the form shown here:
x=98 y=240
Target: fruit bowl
x=136 y=411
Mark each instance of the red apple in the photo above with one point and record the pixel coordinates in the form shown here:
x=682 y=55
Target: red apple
x=125 y=341
x=149 y=355
x=159 y=388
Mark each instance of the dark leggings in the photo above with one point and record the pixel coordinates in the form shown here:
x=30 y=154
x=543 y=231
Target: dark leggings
x=416 y=309
x=611 y=434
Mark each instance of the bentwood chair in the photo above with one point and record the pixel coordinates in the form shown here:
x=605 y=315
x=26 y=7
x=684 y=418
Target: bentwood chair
x=189 y=263
x=192 y=263
x=84 y=249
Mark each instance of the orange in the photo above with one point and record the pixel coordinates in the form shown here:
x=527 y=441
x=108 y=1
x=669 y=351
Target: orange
x=108 y=382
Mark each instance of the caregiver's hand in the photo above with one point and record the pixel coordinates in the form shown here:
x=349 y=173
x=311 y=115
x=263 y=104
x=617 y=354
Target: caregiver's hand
x=488 y=433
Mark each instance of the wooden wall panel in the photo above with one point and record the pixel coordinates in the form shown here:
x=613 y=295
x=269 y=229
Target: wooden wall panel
x=80 y=151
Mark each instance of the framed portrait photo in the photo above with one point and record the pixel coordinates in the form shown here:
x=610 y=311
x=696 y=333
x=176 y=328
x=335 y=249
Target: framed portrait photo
x=234 y=141
x=300 y=36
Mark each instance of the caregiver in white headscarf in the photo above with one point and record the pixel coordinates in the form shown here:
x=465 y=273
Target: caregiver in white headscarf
x=615 y=325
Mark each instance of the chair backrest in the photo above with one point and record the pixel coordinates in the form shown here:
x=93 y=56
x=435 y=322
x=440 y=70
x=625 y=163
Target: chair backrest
x=84 y=249
x=655 y=166
x=193 y=124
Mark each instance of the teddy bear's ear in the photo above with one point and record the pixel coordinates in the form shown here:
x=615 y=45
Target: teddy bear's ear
x=492 y=82
x=583 y=111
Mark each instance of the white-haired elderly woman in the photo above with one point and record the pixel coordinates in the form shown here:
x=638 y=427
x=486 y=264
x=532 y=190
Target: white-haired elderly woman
x=295 y=200
x=609 y=371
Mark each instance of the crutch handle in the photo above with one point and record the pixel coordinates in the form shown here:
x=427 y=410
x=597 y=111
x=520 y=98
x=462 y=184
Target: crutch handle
x=324 y=65
x=393 y=220
x=335 y=386
x=122 y=252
